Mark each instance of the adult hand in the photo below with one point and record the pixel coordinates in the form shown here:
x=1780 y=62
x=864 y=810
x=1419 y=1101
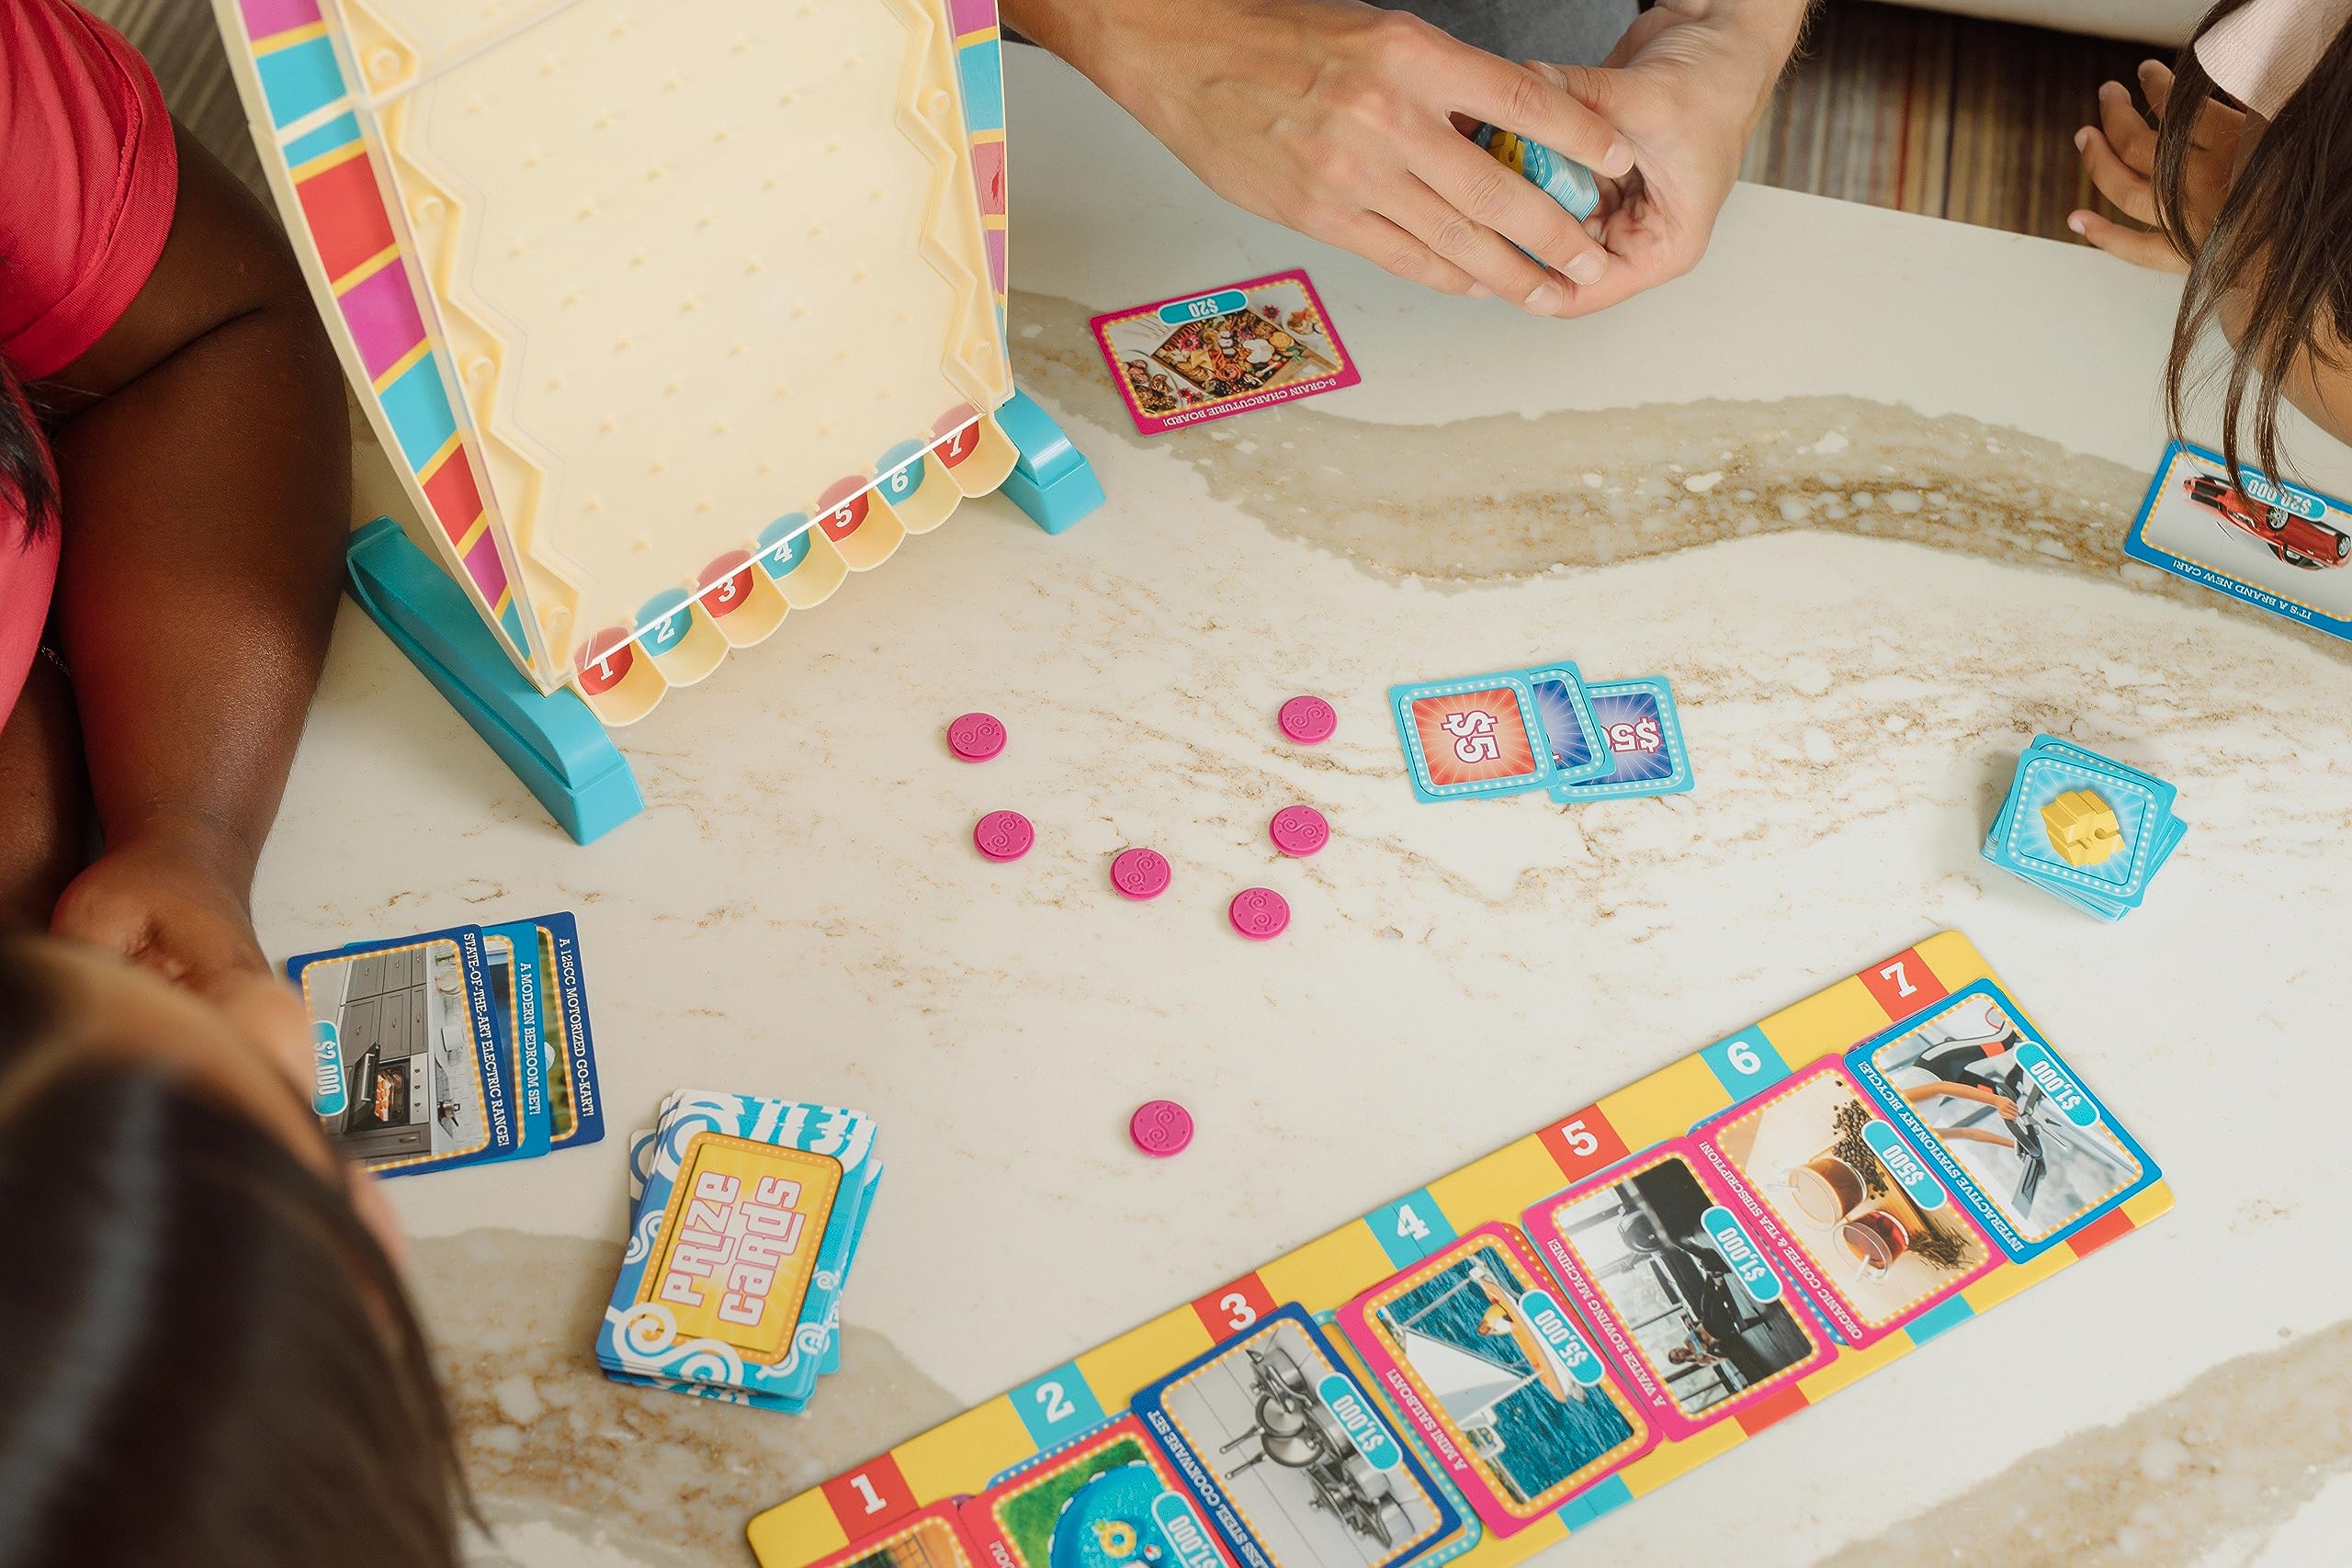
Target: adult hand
x=1345 y=122
x=2119 y=154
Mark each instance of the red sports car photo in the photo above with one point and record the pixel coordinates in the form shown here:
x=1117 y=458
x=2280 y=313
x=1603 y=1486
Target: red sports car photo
x=2298 y=541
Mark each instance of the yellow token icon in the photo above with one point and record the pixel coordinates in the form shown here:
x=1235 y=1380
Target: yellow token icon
x=2082 y=827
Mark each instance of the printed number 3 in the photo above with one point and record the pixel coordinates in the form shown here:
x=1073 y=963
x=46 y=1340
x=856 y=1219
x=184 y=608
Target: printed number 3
x=1056 y=1402
x=865 y=1489
x=1581 y=1143
x=1238 y=1311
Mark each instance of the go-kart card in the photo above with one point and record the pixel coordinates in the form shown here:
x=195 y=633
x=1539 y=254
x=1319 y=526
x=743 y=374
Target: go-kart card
x=512 y=957
x=2010 y=1127
x=1500 y=1380
x=931 y=1537
x=1475 y=737
x=412 y=1072
x=574 y=1100
x=1852 y=1210
x=1685 y=1298
x=2279 y=547
x=1293 y=1464
x=1643 y=736
x=1225 y=350
x=1106 y=1499
x=1564 y=710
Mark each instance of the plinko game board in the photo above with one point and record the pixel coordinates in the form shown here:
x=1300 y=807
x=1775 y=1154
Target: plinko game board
x=1497 y=1358
x=670 y=317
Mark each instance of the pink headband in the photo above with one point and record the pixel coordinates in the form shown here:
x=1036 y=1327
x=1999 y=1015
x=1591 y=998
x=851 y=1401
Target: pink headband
x=2261 y=54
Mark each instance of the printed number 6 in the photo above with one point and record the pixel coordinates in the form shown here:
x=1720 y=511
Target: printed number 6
x=1056 y=1404
x=1238 y=1311
x=1581 y=1143
x=1744 y=1059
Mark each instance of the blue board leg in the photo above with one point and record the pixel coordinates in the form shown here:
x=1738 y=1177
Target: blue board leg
x=1051 y=480
x=551 y=741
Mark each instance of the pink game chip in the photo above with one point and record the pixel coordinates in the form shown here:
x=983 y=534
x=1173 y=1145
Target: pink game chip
x=1160 y=1128
x=1298 y=830
x=1003 y=835
x=975 y=737
x=1140 y=873
x=1259 y=913
x=1308 y=719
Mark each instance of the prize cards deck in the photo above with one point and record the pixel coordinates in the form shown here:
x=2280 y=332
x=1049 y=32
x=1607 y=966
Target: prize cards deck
x=2084 y=828
x=740 y=1248
x=2277 y=546
x=1541 y=728
x=1225 y=350
x=454 y=1047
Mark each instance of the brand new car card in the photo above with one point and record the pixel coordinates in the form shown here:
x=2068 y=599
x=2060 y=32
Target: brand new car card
x=2278 y=545
x=2007 y=1124
x=411 y=1071
x=1294 y=1465
x=1500 y=1380
x=1685 y=1298
x=1850 y=1209
x=1107 y=1499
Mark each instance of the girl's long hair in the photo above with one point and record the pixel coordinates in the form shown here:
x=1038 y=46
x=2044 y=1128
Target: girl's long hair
x=2283 y=236
x=205 y=1358
x=27 y=480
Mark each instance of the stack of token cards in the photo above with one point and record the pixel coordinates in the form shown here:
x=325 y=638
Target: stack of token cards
x=1541 y=728
x=745 y=1216
x=454 y=1047
x=2089 y=830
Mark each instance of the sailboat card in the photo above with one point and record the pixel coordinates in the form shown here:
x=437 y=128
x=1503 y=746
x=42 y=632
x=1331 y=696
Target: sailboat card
x=1502 y=1381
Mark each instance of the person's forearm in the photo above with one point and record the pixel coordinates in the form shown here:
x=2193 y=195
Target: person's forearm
x=1768 y=32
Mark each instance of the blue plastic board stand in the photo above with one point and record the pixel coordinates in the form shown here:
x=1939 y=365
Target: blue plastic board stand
x=1051 y=480
x=551 y=741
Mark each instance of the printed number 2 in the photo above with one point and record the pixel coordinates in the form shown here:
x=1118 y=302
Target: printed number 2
x=1238 y=1311
x=1744 y=1059
x=1902 y=985
x=1056 y=1402
x=1581 y=1143
x=865 y=1489
x=1410 y=1226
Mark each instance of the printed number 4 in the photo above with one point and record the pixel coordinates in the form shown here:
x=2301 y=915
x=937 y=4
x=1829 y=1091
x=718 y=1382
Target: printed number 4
x=865 y=1489
x=1056 y=1402
x=1238 y=1312
x=1581 y=1143
x=1410 y=1226
x=1902 y=985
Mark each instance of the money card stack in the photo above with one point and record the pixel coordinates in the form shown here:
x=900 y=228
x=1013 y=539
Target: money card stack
x=1541 y=728
x=745 y=1216
x=2084 y=828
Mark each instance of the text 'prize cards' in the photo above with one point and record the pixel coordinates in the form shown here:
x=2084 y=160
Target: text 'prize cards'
x=2084 y=828
x=740 y=1241
x=1544 y=728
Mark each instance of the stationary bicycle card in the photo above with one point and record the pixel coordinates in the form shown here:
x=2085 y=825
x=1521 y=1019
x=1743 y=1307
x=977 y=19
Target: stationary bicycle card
x=1852 y=1210
x=574 y=1097
x=1107 y=1499
x=2008 y=1125
x=513 y=972
x=1479 y=736
x=1564 y=710
x=1225 y=350
x=1294 y=1465
x=931 y=1537
x=2279 y=547
x=411 y=1071
x=1644 y=737
x=1500 y=1380
x=1687 y=1299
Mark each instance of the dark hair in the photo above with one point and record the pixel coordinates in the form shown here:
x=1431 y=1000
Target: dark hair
x=2284 y=233
x=27 y=477
x=209 y=1359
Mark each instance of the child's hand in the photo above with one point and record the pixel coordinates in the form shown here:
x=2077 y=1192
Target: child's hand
x=168 y=897
x=2120 y=155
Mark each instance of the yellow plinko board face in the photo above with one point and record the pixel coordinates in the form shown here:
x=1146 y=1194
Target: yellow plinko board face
x=1951 y=1013
x=2082 y=827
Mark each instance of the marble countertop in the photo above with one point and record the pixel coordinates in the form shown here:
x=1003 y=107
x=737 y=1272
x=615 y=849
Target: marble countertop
x=1676 y=488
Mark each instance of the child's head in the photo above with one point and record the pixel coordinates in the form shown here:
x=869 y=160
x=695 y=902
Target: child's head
x=27 y=480
x=210 y=1359
x=2281 y=241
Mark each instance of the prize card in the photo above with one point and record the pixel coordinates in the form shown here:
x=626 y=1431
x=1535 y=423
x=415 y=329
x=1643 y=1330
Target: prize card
x=928 y=1538
x=1108 y=1499
x=513 y=972
x=2081 y=824
x=1692 y=1307
x=2281 y=547
x=1474 y=737
x=412 y=1072
x=2031 y=1153
x=1564 y=708
x=1471 y=1532
x=1294 y=1465
x=1853 y=1211
x=1501 y=1381
x=1206 y=355
x=1642 y=737
x=574 y=1100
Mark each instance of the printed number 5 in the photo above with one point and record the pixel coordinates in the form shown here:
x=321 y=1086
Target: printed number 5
x=1581 y=1143
x=1744 y=1059
x=1056 y=1402
x=1238 y=1312
x=865 y=1489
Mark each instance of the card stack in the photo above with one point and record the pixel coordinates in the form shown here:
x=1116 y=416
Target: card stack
x=745 y=1216
x=455 y=1047
x=1543 y=727
x=2084 y=828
